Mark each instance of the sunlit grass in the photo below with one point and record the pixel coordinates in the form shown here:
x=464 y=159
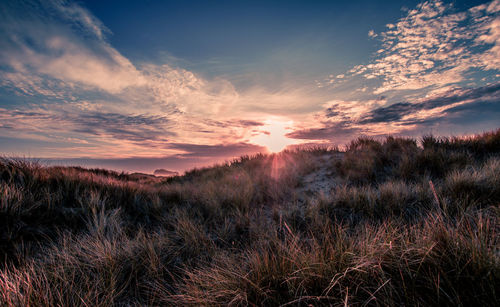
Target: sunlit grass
x=240 y=233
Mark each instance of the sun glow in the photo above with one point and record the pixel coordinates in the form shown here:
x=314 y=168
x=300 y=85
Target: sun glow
x=273 y=134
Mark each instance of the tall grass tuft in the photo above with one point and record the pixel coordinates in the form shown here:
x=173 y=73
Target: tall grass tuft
x=405 y=222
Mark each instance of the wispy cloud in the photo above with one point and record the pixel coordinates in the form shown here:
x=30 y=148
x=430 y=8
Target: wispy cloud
x=433 y=45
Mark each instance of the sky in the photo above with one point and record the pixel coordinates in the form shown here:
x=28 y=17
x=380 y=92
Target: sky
x=141 y=85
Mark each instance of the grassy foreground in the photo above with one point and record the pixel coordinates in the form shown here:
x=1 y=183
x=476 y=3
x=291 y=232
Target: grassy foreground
x=407 y=223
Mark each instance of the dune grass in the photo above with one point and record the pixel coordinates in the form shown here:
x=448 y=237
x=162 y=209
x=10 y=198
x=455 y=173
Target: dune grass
x=240 y=234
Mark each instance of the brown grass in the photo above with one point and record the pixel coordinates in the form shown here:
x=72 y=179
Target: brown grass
x=239 y=234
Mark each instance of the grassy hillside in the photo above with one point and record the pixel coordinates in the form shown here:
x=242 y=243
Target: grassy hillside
x=403 y=222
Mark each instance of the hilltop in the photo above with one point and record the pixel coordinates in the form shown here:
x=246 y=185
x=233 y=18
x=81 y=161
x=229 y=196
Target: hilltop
x=385 y=222
x=165 y=173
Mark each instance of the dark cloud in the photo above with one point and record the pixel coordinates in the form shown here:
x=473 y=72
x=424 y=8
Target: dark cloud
x=249 y=123
x=233 y=123
x=331 y=131
x=132 y=127
x=477 y=107
x=477 y=112
x=481 y=104
x=391 y=113
x=117 y=119
x=491 y=91
x=421 y=121
x=397 y=111
x=138 y=128
x=27 y=113
x=143 y=130
x=331 y=112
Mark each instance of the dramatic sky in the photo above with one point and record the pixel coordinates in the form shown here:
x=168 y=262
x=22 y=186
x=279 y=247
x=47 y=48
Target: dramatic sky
x=141 y=85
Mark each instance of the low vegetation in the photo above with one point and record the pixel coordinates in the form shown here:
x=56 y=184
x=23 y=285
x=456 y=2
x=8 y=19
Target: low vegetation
x=407 y=222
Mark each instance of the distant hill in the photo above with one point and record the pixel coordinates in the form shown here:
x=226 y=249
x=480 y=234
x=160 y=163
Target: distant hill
x=165 y=173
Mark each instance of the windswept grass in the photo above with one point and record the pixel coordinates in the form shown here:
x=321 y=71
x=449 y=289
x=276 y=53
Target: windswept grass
x=241 y=233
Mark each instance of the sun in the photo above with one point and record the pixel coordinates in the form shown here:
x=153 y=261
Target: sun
x=273 y=134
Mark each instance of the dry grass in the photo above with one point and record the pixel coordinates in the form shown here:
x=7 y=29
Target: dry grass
x=238 y=233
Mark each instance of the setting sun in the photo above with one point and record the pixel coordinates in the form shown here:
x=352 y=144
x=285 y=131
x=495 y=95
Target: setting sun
x=251 y=152
x=273 y=134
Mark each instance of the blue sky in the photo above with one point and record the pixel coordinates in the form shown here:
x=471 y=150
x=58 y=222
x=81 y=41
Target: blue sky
x=140 y=85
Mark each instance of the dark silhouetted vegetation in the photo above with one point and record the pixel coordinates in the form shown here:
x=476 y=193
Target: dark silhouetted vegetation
x=244 y=232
